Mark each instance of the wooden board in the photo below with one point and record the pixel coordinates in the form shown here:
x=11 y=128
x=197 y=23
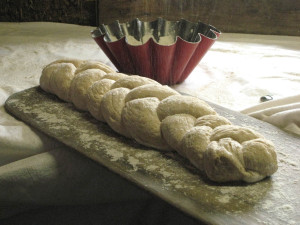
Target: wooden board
x=274 y=200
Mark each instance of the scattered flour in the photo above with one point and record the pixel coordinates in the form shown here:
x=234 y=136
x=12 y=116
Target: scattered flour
x=114 y=154
x=224 y=199
x=133 y=162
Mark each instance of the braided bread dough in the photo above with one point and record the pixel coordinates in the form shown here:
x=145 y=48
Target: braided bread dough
x=159 y=117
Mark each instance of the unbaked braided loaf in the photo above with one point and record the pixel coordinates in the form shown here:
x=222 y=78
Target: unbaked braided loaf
x=159 y=117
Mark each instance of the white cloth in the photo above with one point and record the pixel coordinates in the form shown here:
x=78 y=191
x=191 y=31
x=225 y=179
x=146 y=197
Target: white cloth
x=25 y=48
x=241 y=68
x=235 y=73
x=283 y=113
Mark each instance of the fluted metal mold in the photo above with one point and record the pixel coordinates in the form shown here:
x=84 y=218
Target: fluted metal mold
x=166 y=51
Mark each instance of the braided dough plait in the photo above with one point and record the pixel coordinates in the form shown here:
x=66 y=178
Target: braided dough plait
x=97 y=90
x=157 y=116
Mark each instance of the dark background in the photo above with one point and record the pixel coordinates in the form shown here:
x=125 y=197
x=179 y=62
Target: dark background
x=280 y=17
x=81 y=12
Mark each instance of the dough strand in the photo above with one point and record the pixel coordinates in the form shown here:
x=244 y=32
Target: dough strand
x=157 y=116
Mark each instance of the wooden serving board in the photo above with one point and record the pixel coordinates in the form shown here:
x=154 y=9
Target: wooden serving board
x=275 y=200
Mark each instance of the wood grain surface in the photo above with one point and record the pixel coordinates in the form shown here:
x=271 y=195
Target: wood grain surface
x=274 y=200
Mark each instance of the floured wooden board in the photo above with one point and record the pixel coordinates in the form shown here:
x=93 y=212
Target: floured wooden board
x=275 y=200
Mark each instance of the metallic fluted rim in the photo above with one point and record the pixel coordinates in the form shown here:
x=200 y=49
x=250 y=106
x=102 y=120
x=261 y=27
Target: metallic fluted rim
x=162 y=31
